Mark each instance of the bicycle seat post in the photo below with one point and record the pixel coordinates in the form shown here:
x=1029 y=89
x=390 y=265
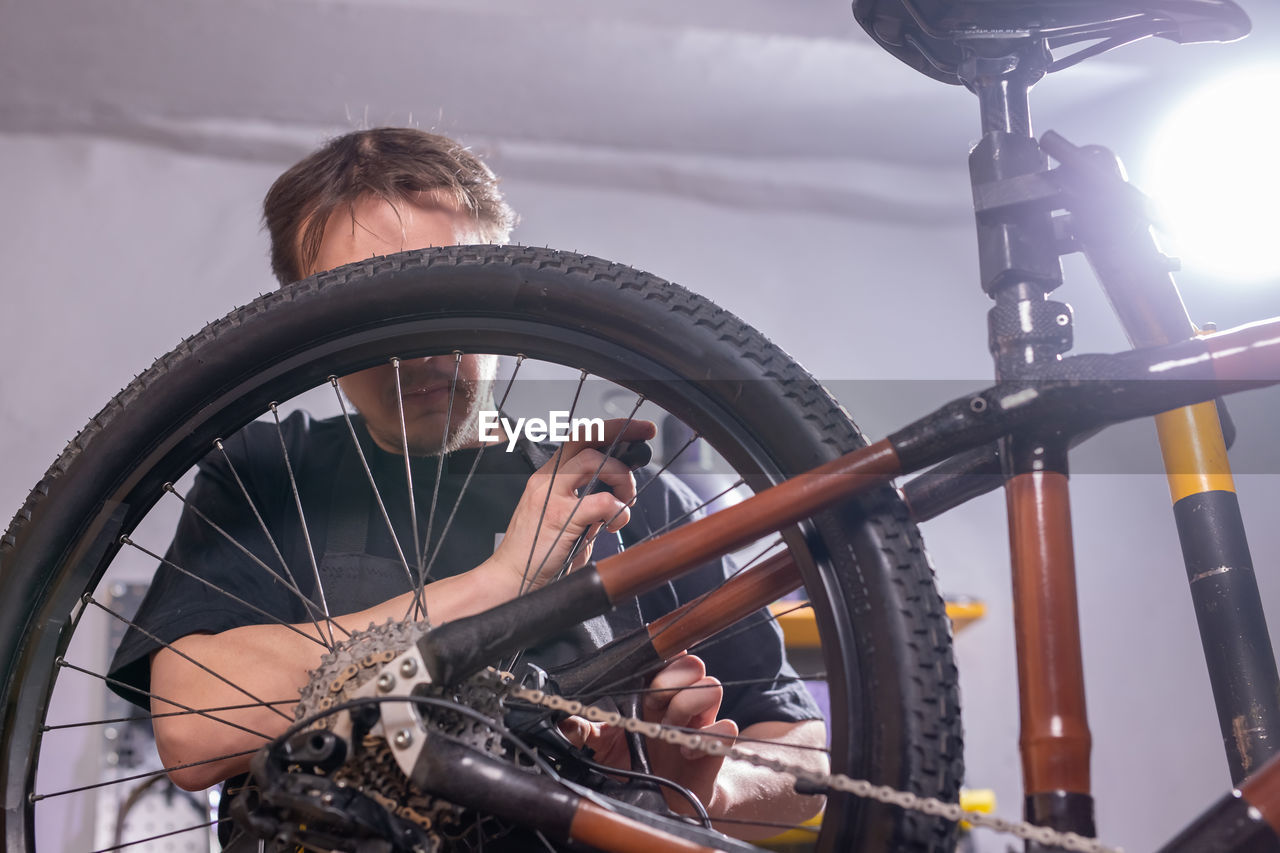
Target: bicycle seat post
x=1020 y=267
x=1017 y=251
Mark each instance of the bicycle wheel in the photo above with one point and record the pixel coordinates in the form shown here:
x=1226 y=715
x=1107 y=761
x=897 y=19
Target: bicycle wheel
x=885 y=637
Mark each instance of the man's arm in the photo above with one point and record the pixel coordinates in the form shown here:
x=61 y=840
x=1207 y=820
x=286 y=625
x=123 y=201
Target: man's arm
x=272 y=662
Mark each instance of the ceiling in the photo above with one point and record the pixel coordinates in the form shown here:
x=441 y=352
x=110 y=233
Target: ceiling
x=785 y=102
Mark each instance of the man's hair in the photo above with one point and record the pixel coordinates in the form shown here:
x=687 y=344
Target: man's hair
x=398 y=164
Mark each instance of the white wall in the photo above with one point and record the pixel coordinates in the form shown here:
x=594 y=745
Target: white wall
x=113 y=252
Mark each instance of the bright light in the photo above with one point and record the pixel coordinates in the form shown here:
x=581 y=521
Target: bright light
x=1215 y=172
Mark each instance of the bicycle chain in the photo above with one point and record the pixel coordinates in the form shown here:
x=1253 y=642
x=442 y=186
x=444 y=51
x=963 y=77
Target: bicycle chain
x=837 y=781
x=714 y=746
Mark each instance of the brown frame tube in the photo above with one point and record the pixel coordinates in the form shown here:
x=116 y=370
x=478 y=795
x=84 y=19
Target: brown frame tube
x=738 y=597
x=601 y=829
x=1262 y=790
x=1055 y=739
x=645 y=566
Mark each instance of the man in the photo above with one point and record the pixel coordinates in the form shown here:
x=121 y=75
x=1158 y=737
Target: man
x=375 y=193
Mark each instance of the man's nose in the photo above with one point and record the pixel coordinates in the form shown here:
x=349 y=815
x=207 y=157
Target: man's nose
x=433 y=367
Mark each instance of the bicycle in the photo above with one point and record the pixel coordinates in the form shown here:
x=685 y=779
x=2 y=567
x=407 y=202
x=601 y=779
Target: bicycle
x=718 y=411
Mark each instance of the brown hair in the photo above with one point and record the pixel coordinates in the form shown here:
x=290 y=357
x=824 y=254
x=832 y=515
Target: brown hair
x=394 y=163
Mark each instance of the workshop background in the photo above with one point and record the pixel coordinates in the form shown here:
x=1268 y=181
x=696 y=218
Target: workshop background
x=765 y=154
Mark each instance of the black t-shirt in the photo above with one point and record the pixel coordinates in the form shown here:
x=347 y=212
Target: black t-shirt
x=359 y=564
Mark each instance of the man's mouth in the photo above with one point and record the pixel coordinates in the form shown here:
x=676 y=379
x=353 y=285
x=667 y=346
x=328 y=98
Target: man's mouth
x=427 y=395
x=428 y=389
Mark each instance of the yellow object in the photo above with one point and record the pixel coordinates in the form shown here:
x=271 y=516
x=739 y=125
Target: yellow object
x=800 y=631
x=795 y=839
x=795 y=618
x=1195 y=455
x=964 y=612
x=981 y=800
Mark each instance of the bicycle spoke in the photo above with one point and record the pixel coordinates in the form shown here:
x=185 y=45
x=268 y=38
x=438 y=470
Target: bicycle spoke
x=708 y=502
x=666 y=526
x=377 y=495
x=89 y=598
x=408 y=469
x=640 y=491
x=718 y=638
x=555 y=470
x=302 y=519
x=308 y=603
x=630 y=504
x=726 y=634
x=142 y=718
x=740 y=682
x=584 y=491
x=163 y=835
x=63 y=662
x=271 y=618
x=693 y=605
x=656 y=667
x=739 y=628
x=466 y=483
x=739 y=739
x=440 y=458
x=145 y=775
x=293 y=582
x=618 y=683
x=595 y=696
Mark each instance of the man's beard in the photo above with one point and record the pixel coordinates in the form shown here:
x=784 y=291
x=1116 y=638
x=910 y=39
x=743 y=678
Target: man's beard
x=429 y=439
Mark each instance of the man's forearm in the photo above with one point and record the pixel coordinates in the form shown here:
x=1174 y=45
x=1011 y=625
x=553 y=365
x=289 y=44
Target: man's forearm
x=745 y=792
x=272 y=663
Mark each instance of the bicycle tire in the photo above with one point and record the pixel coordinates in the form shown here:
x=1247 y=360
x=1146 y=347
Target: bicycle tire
x=893 y=680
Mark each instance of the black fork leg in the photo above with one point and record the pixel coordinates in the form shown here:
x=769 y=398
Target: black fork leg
x=1111 y=228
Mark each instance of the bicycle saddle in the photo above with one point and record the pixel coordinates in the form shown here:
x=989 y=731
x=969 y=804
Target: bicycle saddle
x=936 y=36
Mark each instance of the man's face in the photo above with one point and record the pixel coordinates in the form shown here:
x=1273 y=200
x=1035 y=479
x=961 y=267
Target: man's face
x=372 y=227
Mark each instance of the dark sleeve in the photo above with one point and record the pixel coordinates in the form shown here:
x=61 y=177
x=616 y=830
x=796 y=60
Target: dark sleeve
x=751 y=650
x=195 y=589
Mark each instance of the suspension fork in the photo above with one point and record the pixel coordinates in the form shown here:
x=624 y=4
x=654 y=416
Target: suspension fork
x=1110 y=225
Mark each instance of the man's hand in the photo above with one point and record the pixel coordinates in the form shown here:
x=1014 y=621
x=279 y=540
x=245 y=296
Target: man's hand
x=748 y=801
x=682 y=695
x=536 y=531
x=690 y=699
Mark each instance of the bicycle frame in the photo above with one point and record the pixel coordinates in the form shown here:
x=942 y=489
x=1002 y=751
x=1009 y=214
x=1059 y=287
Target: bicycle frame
x=1066 y=399
x=1042 y=404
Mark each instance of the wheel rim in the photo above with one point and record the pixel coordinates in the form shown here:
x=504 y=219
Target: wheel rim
x=226 y=409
